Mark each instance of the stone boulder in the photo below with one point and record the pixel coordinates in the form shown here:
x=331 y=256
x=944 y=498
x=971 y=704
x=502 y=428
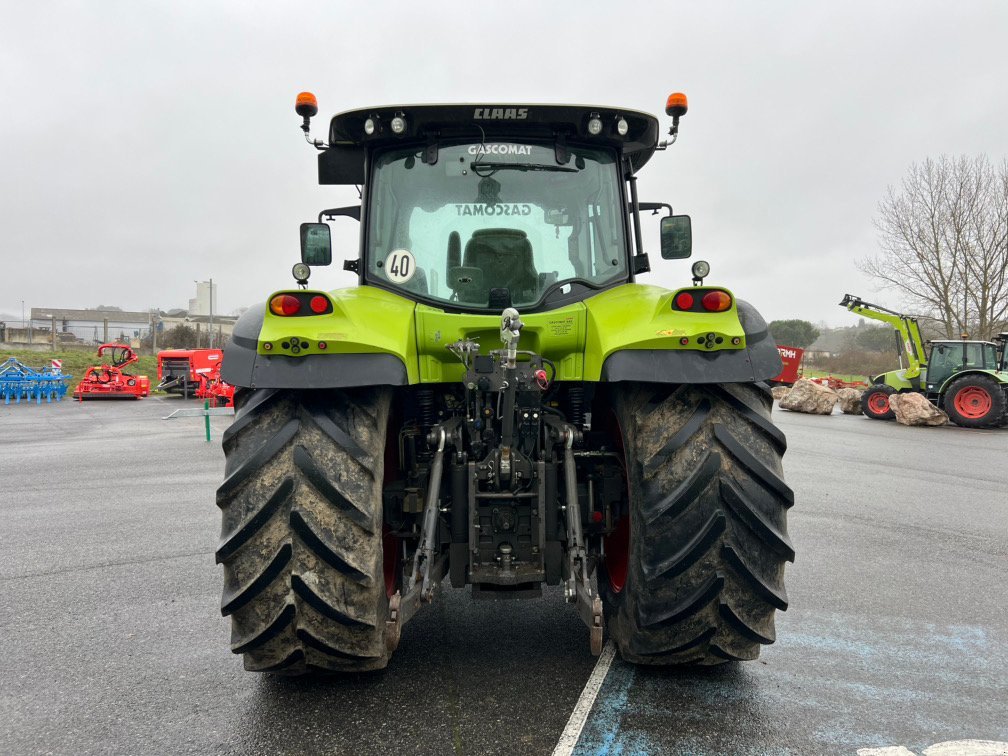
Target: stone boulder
x=915 y=409
x=810 y=398
x=850 y=401
x=779 y=392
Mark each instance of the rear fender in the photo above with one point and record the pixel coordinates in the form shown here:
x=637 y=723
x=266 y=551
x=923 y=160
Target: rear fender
x=1001 y=378
x=365 y=340
x=635 y=335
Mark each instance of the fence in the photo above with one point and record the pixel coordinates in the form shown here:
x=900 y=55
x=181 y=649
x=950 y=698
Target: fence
x=82 y=335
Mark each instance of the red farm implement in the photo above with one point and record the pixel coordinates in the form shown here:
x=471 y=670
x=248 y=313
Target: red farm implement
x=791 y=357
x=184 y=371
x=194 y=372
x=836 y=383
x=109 y=380
x=219 y=392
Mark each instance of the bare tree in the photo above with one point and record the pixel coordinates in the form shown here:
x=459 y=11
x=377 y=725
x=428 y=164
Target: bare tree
x=943 y=238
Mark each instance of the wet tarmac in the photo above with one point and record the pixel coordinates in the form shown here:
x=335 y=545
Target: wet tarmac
x=112 y=640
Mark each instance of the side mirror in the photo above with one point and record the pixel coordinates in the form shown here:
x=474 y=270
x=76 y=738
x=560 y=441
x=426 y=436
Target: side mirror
x=316 y=244
x=676 y=237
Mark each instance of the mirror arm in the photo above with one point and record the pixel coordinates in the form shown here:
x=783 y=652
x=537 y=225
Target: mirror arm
x=654 y=207
x=352 y=211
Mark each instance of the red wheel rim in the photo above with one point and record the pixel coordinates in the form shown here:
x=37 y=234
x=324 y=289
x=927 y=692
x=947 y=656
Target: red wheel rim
x=617 y=554
x=617 y=544
x=878 y=403
x=973 y=402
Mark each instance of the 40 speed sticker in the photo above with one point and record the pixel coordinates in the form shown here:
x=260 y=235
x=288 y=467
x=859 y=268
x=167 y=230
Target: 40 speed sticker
x=400 y=266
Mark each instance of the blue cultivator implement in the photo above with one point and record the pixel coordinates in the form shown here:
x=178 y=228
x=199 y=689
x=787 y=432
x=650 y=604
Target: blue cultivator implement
x=18 y=381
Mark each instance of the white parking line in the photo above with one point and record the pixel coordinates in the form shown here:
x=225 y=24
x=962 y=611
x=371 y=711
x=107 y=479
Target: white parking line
x=967 y=748
x=572 y=732
x=948 y=748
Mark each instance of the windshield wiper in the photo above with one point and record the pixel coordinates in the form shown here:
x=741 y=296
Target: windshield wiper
x=476 y=165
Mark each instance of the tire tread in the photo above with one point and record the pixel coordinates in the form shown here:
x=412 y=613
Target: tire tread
x=709 y=536
x=301 y=546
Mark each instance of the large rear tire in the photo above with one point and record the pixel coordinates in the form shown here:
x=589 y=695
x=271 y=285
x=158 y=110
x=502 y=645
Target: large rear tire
x=975 y=401
x=301 y=542
x=707 y=540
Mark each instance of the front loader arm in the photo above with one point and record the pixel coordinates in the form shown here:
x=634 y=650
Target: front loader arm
x=905 y=325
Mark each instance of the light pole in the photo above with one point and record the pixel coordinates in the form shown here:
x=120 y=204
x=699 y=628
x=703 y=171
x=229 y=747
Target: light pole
x=211 y=340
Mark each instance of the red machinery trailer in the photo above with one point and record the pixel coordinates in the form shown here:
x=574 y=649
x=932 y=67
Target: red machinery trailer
x=792 y=359
x=185 y=371
x=194 y=372
x=109 y=380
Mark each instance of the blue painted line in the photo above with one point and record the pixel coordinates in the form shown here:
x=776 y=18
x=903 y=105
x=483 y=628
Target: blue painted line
x=603 y=731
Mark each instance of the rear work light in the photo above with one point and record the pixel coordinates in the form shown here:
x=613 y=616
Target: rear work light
x=716 y=301
x=300 y=304
x=702 y=299
x=285 y=305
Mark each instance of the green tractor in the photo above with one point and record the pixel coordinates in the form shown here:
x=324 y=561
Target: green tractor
x=500 y=403
x=968 y=379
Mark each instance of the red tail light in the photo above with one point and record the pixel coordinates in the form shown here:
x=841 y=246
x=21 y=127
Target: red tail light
x=284 y=304
x=684 y=301
x=319 y=304
x=716 y=301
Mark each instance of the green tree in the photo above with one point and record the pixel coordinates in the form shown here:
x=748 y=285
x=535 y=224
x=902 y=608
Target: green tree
x=179 y=337
x=943 y=243
x=796 y=333
x=876 y=339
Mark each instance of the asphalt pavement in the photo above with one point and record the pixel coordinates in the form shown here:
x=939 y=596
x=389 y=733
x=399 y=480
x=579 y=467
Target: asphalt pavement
x=112 y=640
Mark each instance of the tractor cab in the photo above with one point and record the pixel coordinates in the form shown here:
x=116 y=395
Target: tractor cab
x=1002 y=346
x=471 y=208
x=949 y=357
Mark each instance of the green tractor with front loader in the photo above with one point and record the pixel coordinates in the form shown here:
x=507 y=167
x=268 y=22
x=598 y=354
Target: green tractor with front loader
x=500 y=403
x=968 y=379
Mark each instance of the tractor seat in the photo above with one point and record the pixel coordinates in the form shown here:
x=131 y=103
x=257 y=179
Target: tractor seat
x=505 y=257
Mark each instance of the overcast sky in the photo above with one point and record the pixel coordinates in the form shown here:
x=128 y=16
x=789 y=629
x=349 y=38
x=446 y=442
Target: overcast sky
x=145 y=145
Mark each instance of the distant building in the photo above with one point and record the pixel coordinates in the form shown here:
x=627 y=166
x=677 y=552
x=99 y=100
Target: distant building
x=205 y=302
x=97 y=326
x=89 y=326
